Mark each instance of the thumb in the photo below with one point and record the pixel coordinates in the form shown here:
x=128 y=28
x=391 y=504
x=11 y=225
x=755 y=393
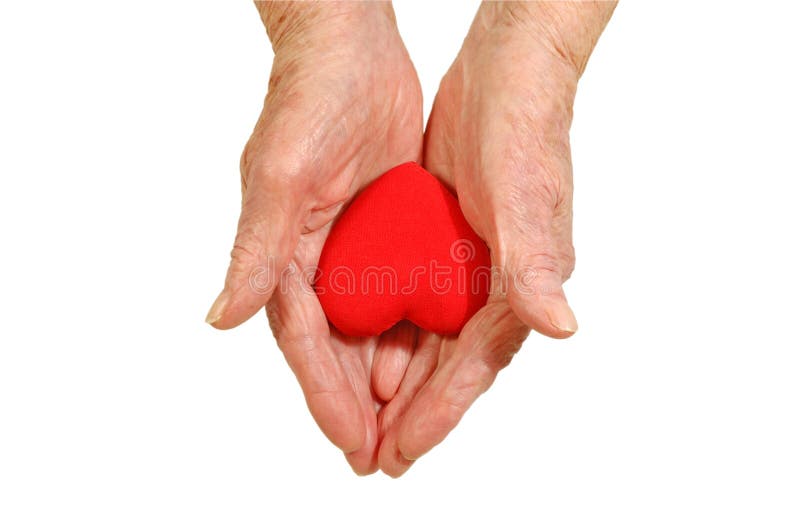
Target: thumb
x=267 y=235
x=534 y=267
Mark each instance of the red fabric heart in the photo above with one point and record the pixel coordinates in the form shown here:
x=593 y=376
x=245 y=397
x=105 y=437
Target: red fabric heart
x=403 y=250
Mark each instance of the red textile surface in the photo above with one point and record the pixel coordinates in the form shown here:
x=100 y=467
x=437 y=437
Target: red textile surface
x=403 y=250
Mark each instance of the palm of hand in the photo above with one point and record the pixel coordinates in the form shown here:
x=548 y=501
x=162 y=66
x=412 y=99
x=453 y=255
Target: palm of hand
x=498 y=135
x=337 y=123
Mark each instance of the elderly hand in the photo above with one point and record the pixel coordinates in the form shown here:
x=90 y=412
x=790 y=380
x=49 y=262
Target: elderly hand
x=499 y=136
x=344 y=105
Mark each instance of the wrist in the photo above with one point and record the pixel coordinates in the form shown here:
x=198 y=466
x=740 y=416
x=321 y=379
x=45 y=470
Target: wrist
x=567 y=31
x=286 y=22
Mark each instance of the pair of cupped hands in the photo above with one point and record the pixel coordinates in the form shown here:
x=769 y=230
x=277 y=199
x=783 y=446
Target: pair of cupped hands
x=343 y=106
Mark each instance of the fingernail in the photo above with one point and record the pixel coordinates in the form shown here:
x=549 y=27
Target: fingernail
x=406 y=458
x=562 y=318
x=215 y=313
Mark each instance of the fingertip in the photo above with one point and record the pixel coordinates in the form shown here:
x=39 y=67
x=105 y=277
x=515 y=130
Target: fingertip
x=390 y=460
x=385 y=382
x=437 y=409
x=349 y=440
x=409 y=450
x=363 y=460
x=561 y=317
x=392 y=358
x=232 y=308
x=348 y=437
x=384 y=387
x=340 y=418
x=217 y=308
x=547 y=314
x=364 y=472
x=361 y=463
x=398 y=467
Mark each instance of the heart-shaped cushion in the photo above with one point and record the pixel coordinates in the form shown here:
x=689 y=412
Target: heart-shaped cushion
x=403 y=250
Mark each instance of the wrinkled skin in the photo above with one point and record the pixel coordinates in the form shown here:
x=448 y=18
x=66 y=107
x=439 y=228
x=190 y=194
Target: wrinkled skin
x=343 y=106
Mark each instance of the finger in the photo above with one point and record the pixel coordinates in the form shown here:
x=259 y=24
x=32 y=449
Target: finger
x=392 y=358
x=390 y=460
x=536 y=295
x=533 y=249
x=356 y=358
x=484 y=347
x=302 y=333
x=364 y=460
x=422 y=365
x=267 y=234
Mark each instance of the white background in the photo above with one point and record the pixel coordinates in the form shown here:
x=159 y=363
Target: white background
x=676 y=406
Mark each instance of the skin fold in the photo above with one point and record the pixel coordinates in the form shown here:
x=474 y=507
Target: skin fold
x=343 y=105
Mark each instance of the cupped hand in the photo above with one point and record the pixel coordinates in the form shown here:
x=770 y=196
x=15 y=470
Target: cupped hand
x=498 y=134
x=343 y=105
